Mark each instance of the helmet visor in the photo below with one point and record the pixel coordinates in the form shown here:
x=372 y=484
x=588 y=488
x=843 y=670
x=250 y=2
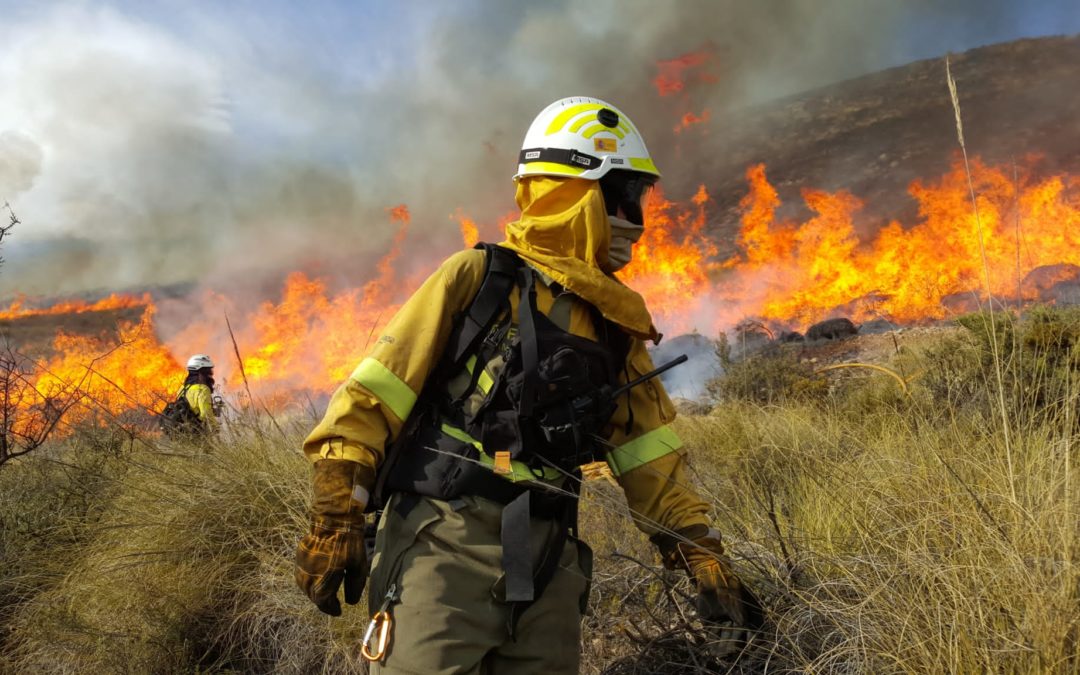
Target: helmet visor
x=625 y=192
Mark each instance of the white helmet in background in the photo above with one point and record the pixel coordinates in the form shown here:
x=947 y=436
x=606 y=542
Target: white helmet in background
x=583 y=137
x=199 y=361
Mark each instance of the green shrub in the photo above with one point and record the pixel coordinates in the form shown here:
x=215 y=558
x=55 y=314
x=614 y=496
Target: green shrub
x=771 y=376
x=1025 y=369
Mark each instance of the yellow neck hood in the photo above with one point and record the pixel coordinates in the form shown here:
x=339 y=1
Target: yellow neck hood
x=564 y=232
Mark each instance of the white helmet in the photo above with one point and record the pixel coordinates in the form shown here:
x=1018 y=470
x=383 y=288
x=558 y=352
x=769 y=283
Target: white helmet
x=199 y=361
x=585 y=138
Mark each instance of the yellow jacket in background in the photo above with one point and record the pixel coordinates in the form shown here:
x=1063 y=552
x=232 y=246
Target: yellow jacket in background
x=563 y=220
x=200 y=398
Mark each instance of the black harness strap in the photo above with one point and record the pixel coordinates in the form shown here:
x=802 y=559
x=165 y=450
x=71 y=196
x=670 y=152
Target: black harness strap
x=490 y=300
x=516 y=529
x=530 y=346
x=516 y=550
x=552 y=553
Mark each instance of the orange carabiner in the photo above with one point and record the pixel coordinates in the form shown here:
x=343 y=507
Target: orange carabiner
x=379 y=628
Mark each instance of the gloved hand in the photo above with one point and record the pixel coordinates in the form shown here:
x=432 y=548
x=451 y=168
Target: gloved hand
x=333 y=551
x=728 y=608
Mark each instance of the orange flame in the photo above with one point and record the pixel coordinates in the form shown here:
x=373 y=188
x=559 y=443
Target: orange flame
x=399 y=214
x=310 y=340
x=787 y=273
x=470 y=233
x=111 y=377
x=673 y=74
x=670 y=265
x=793 y=274
x=803 y=272
x=690 y=119
x=18 y=309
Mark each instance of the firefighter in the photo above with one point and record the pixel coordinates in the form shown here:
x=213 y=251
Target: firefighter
x=198 y=390
x=469 y=418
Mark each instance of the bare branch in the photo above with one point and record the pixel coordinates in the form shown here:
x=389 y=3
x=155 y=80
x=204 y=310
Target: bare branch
x=6 y=229
x=28 y=416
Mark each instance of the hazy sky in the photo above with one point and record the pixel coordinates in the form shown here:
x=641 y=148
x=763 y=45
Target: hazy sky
x=155 y=142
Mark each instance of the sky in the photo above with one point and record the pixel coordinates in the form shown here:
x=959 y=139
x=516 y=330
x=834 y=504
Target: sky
x=228 y=142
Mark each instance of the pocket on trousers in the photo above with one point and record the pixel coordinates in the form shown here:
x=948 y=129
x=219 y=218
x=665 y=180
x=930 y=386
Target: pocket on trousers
x=396 y=534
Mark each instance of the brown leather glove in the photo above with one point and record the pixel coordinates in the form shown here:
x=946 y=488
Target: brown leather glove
x=333 y=551
x=727 y=607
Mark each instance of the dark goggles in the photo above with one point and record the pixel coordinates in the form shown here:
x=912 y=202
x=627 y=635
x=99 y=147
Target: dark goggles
x=624 y=191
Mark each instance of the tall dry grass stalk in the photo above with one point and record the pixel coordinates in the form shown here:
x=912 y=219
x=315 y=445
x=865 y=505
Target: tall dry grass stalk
x=1005 y=426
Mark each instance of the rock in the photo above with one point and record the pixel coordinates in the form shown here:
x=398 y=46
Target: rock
x=789 y=336
x=877 y=326
x=832 y=329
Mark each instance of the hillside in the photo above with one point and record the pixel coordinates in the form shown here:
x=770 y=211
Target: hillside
x=875 y=134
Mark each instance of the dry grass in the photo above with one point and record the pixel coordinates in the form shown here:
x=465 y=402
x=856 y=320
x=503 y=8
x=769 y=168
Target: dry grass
x=185 y=564
x=880 y=531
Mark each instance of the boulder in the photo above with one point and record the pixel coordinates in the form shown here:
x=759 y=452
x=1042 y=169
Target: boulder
x=832 y=329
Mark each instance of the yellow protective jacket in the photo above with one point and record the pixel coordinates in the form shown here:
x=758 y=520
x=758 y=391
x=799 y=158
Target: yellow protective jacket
x=561 y=219
x=200 y=398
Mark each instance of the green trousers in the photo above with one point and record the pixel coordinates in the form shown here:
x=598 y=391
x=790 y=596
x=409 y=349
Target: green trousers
x=444 y=560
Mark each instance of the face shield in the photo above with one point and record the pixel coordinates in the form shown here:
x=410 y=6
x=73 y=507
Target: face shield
x=625 y=192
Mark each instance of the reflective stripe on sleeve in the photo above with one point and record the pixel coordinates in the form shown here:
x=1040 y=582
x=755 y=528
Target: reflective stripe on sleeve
x=387 y=387
x=643 y=449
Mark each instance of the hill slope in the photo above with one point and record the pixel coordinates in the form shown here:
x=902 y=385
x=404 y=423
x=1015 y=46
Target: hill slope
x=875 y=134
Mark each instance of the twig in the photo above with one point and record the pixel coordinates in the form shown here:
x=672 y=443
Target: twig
x=239 y=361
x=6 y=229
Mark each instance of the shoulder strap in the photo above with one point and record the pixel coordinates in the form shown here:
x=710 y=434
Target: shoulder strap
x=500 y=269
x=470 y=328
x=530 y=344
x=183 y=392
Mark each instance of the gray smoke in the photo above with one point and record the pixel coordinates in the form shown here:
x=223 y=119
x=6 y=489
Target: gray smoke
x=144 y=155
x=690 y=379
x=20 y=163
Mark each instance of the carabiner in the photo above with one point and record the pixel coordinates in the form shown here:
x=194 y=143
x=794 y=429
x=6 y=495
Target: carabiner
x=379 y=628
